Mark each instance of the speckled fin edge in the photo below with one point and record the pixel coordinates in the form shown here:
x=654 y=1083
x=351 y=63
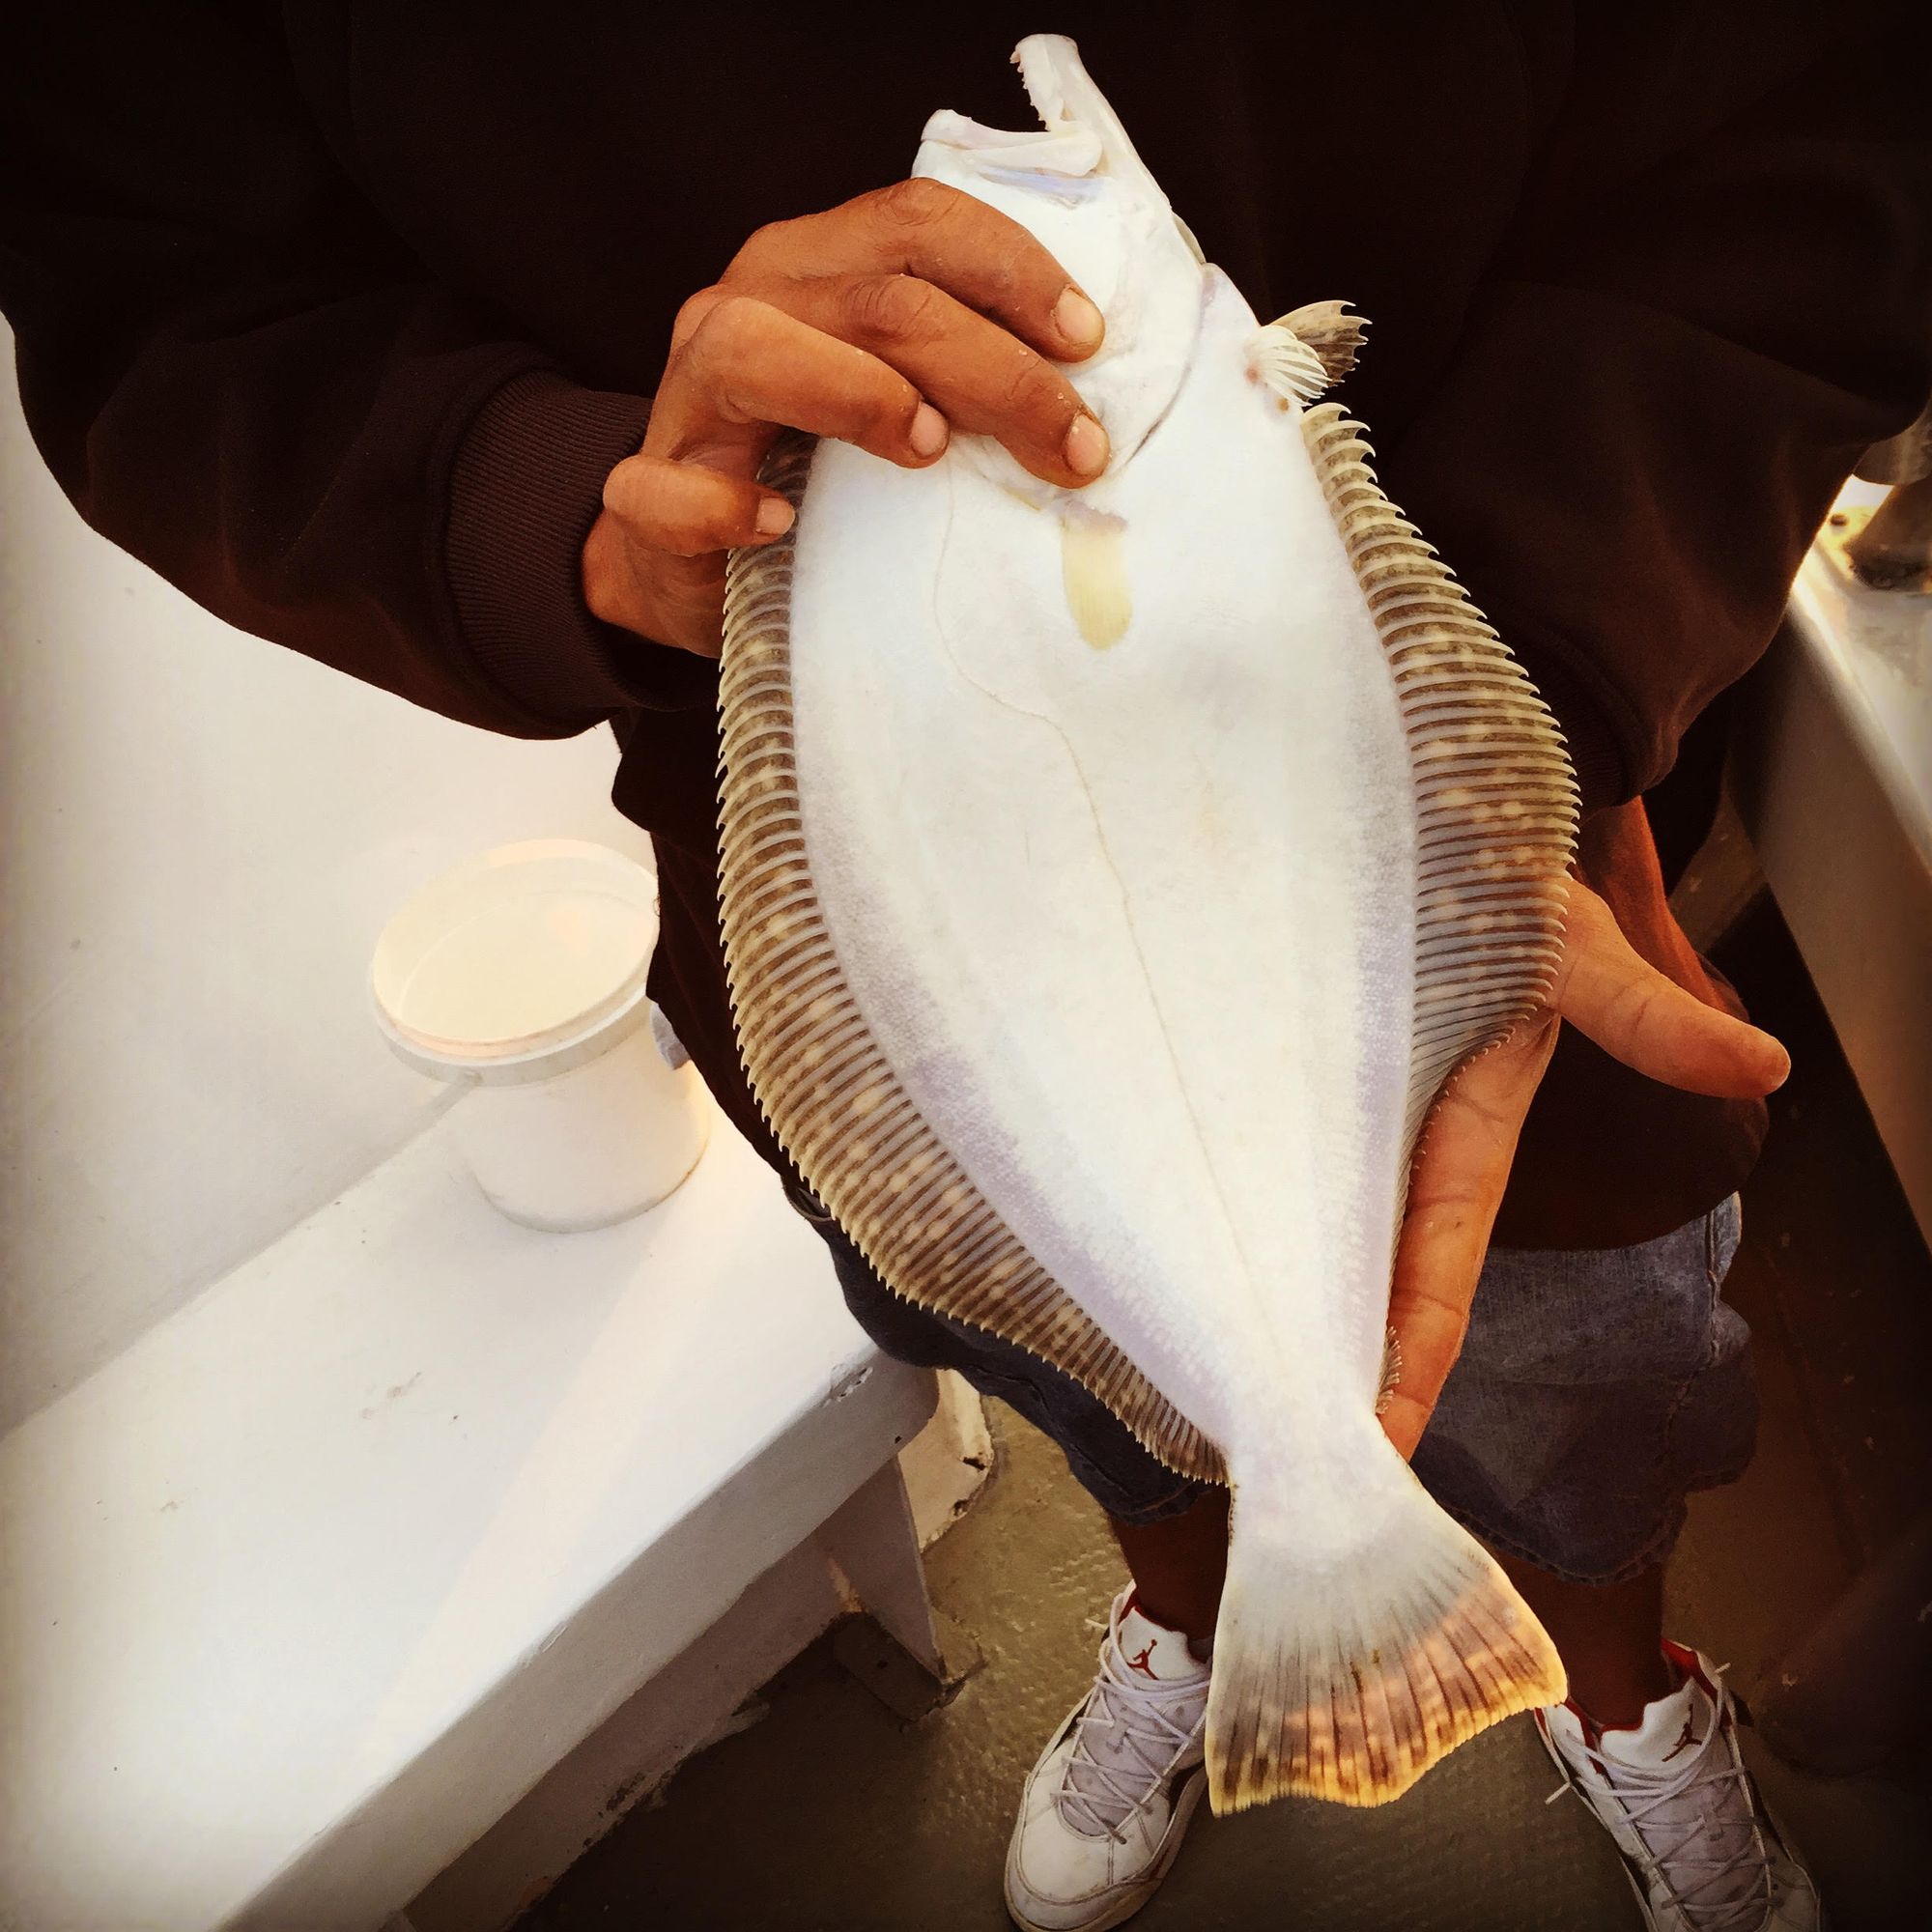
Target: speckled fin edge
x=1495 y=798
x=818 y=1073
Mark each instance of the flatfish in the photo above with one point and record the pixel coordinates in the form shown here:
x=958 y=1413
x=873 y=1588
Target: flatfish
x=1110 y=880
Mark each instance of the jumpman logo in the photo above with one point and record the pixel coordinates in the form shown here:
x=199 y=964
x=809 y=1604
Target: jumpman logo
x=1690 y=1737
x=1140 y=1662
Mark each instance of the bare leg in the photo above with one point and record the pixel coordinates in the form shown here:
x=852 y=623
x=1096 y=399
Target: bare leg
x=1609 y=1636
x=1178 y=1565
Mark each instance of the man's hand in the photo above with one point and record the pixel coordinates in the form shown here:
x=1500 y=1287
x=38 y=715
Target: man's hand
x=1455 y=1185
x=887 y=322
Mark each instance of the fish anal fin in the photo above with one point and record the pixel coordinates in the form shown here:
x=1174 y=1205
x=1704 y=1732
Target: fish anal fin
x=818 y=1073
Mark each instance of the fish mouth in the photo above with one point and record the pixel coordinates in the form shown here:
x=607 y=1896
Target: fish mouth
x=1077 y=183
x=1065 y=97
x=1080 y=141
x=1079 y=135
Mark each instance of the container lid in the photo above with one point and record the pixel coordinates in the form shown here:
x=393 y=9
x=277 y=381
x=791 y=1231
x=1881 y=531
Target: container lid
x=526 y=951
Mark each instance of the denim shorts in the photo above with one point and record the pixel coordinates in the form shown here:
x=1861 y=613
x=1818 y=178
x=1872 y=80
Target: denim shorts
x=1597 y=1389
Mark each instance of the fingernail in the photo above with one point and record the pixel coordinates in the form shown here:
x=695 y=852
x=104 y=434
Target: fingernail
x=928 y=431
x=1086 y=447
x=775 y=517
x=1078 y=321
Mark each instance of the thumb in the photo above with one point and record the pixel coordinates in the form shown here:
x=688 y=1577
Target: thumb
x=1648 y=1021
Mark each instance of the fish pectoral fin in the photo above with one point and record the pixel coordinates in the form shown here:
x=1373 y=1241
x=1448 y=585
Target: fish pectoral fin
x=1286 y=365
x=1308 y=349
x=1334 y=335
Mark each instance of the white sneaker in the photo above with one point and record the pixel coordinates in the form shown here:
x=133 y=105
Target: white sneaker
x=1699 y=1846
x=1106 y=1808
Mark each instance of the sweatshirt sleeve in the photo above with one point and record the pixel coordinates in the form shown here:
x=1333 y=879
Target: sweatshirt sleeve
x=237 y=373
x=1671 y=369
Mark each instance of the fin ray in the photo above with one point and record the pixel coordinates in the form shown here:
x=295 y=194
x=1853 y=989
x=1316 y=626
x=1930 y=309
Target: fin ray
x=1334 y=335
x=1307 y=350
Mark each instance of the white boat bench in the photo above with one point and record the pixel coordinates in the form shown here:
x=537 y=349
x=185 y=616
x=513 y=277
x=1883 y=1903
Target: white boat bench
x=309 y=1587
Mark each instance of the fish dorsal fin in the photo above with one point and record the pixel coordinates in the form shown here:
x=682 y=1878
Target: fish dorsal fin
x=1495 y=799
x=819 y=1074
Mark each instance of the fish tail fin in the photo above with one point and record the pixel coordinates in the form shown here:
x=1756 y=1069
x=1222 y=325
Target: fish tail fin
x=1346 y=1674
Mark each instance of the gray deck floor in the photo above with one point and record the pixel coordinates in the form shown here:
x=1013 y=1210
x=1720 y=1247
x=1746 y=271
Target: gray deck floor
x=830 y=1812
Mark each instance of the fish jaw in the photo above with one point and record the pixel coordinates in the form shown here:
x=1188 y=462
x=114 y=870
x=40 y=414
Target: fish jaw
x=1062 y=94
x=1077 y=186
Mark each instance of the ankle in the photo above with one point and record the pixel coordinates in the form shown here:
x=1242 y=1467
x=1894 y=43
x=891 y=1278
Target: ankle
x=1192 y=1619
x=1617 y=1702
x=1178 y=1564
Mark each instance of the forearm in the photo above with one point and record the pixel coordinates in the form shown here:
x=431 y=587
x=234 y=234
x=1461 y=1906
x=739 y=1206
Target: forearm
x=238 y=374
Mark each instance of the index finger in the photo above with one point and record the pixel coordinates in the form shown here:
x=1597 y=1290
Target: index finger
x=1608 y=990
x=923 y=228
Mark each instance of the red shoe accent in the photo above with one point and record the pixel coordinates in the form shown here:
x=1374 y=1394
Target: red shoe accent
x=1685 y=1663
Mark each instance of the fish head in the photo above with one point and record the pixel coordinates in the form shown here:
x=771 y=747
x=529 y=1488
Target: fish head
x=1077 y=186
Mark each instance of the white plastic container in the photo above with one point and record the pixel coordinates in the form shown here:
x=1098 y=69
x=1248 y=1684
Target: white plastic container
x=520 y=975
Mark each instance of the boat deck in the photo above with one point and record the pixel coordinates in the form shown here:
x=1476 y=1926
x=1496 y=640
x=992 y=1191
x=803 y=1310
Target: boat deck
x=830 y=1812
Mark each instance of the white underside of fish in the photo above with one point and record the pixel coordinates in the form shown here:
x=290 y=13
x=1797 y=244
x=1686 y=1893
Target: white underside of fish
x=1124 y=922
x=1110 y=878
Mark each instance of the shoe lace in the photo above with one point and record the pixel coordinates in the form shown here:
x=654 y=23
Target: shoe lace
x=1145 y=1729
x=1719 y=1840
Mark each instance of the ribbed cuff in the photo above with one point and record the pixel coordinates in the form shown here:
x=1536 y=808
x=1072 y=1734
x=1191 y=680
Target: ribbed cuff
x=525 y=488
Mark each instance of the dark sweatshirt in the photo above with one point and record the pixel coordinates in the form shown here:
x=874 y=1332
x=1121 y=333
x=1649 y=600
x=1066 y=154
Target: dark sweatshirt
x=337 y=316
